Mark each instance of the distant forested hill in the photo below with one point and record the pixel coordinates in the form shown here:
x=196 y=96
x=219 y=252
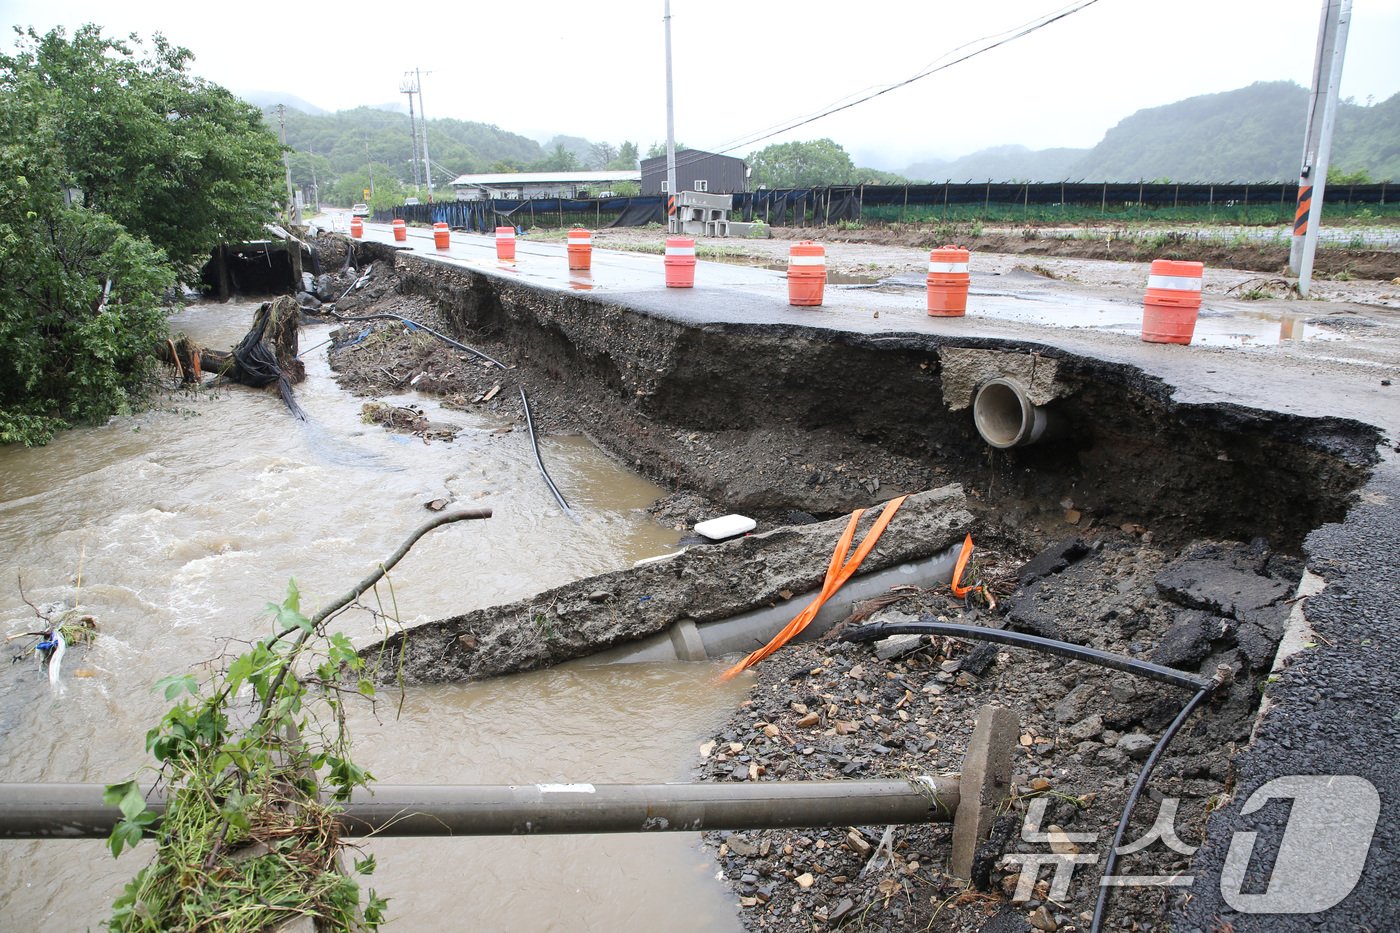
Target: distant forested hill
x=1251 y=134
x=350 y=139
x=1001 y=163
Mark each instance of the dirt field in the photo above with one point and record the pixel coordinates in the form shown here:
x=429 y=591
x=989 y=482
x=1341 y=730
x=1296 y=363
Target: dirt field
x=1365 y=276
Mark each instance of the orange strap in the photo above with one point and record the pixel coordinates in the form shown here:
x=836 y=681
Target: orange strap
x=837 y=573
x=958 y=590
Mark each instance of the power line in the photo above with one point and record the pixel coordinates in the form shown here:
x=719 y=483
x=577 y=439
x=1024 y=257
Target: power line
x=1018 y=32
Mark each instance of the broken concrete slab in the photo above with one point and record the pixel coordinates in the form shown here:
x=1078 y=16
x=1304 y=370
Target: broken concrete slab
x=1224 y=578
x=702 y=585
x=1053 y=559
x=1189 y=641
x=964 y=369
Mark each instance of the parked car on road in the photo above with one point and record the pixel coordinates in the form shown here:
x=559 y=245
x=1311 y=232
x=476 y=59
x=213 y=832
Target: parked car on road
x=360 y=210
x=409 y=202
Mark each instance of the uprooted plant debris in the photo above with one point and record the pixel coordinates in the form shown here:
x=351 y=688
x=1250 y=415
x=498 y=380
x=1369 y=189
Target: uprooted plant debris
x=833 y=710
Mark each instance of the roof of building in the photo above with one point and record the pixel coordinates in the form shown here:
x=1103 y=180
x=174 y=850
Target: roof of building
x=508 y=179
x=691 y=155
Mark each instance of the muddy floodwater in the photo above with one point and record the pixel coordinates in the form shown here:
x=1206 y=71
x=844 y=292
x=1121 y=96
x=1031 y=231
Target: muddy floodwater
x=175 y=527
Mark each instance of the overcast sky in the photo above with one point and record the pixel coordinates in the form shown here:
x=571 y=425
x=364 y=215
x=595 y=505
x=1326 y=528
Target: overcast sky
x=540 y=67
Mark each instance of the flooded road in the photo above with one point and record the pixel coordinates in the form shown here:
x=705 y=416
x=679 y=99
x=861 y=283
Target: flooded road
x=175 y=527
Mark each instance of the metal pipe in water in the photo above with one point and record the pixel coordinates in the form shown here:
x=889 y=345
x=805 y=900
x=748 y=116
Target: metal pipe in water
x=76 y=811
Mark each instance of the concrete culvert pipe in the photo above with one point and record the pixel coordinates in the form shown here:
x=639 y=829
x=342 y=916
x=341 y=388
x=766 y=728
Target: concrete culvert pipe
x=1005 y=417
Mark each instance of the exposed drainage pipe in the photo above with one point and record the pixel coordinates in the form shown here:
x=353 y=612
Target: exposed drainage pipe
x=688 y=640
x=1005 y=416
x=76 y=811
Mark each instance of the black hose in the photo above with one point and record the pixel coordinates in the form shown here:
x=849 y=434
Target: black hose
x=443 y=337
x=524 y=401
x=1118 y=662
x=1111 y=862
x=1203 y=687
x=535 y=446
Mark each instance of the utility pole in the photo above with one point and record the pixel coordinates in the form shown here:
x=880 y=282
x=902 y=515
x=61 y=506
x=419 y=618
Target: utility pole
x=409 y=86
x=1317 y=145
x=293 y=208
x=423 y=115
x=315 y=186
x=670 y=131
x=369 y=165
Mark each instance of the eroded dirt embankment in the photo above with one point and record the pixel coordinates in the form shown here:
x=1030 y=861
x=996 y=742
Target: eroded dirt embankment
x=1169 y=532
x=770 y=419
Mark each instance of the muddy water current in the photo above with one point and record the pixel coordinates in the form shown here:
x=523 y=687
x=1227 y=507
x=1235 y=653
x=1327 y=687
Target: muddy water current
x=175 y=527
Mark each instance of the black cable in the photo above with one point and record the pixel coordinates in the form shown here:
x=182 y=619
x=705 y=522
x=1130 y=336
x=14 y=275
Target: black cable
x=1204 y=687
x=1118 y=662
x=524 y=401
x=414 y=324
x=1022 y=31
x=1101 y=905
x=535 y=446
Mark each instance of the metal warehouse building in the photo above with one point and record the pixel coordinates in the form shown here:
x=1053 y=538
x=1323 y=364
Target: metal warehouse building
x=697 y=170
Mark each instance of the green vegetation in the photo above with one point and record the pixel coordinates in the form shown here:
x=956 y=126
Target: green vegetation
x=249 y=837
x=1232 y=214
x=118 y=169
x=246 y=841
x=337 y=151
x=801 y=165
x=1251 y=134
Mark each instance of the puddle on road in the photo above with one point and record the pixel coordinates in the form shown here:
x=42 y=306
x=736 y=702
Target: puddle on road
x=832 y=278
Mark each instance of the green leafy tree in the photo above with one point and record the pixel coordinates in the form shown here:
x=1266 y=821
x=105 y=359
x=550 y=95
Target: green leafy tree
x=1340 y=176
x=387 y=189
x=309 y=168
x=559 y=160
x=114 y=172
x=626 y=158
x=873 y=176
x=802 y=165
x=600 y=154
x=167 y=155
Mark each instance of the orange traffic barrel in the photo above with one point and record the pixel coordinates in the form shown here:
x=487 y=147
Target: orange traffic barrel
x=442 y=235
x=400 y=230
x=357 y=227
x=806 y=273
x=680 y=262
x=1172 y=301
x=947 y=282
x=580 y=249
x=505 y=243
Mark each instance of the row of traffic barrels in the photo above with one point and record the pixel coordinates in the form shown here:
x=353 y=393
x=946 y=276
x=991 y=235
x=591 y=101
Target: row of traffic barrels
x=1170 y=307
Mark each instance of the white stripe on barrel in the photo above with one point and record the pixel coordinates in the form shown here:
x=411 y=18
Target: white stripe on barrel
x=580 y=241
x=1178 y=283
x=505 y=234
x=680 y=251
x=807 y=261
x=947 y=267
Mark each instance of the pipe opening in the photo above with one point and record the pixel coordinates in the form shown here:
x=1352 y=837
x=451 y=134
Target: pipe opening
x=1003 y=415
